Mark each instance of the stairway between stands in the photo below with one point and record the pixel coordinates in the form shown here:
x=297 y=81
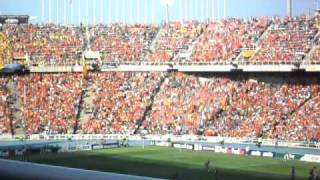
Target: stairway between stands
x=15 y=102
x=148 y=108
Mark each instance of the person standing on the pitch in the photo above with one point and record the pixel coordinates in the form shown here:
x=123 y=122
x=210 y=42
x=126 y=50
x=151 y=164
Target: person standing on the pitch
x=207 y=165
x=293 y=173
x=312 y=173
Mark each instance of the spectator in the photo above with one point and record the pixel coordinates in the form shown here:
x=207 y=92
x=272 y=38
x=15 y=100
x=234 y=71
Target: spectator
x=287 y=38
x=293 y=173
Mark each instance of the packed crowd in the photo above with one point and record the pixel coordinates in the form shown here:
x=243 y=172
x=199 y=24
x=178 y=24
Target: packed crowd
x=172 y=38
x=122 y=42
x=120 y=100
x=223 y=40
x=46 y=44
x=289 y=40
x=50 y=101
x=5 y=111
x=276 y=40
x=305 y=123
x=182 y=105
x=236 y=108
x=5 y=49
x=162 y=103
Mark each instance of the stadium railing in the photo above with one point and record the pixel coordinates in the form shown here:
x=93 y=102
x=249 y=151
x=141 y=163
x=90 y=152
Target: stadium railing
x=184 y=138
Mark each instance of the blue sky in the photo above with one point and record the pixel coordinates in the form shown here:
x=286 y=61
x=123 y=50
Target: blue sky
x=148 y=11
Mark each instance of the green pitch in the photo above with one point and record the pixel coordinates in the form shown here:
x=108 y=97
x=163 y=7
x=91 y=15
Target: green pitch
x=173 y=163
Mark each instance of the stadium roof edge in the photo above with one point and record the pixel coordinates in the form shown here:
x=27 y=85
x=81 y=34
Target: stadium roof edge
x=21 y=19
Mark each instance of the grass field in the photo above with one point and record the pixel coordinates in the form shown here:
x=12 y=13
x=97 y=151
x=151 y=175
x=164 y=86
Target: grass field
x=172 y=163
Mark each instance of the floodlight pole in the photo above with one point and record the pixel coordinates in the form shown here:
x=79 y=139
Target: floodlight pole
x=72 y=12
x=224 y=9
x=145 y=9
x=207 y=15
x=186 y=11
x=129 y=17
x=57 y=17
x=218 y=9
x=79 y=15
x=49 y=10
x=109 y=14
x=42 y=11
x=289 y=8
x=87 y=12
x=65 y=12
x=153 y=14
x=138 y=12
x=167 y=5
x=213 y=10
x=101 y=14
x=316 y=5
x=94 y=11
x=181 y=13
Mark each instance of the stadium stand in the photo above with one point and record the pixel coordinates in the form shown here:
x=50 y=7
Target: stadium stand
x=251 y=41
x=223 y=40
x=304 y=124
x=166 y=102
x=172 y=39
x=226 y=107
x=288 y=41
x=54 y=108
x=162 y=103
x=6 y=124
x=46 y=44
x=120 y=100
x=122 y=43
